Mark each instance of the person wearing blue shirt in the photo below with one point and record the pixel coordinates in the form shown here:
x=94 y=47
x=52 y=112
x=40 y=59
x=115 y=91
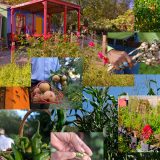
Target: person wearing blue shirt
x=41 y=68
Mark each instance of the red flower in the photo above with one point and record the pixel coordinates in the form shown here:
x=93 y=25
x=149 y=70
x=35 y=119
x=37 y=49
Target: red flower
x=78 y=34
x=105 y=60
x=147 y=132
x=100 y=55
x=91 y=44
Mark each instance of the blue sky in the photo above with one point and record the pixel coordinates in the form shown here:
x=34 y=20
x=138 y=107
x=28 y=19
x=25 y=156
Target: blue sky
x=140 y=87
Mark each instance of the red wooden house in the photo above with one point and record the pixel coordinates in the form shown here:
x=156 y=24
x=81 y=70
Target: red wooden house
x=44 y=8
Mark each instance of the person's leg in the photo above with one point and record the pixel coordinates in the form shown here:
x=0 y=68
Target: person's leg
x=119 y=71
x=133 y=70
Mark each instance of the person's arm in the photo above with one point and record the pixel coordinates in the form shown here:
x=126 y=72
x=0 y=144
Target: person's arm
x=118 y=58
x=71 y=144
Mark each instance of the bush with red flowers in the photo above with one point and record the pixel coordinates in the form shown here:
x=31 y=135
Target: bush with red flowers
x=147 y=132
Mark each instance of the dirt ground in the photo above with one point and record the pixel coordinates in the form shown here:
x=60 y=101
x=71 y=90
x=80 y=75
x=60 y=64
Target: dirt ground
x=5 y=58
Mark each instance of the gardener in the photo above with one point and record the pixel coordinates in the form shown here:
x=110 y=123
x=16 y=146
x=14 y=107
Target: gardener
x=121 y=61
x=5 y=142
x=41 y=68
x=68 y=145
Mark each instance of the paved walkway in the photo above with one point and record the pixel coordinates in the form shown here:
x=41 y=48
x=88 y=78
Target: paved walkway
x=5 y=58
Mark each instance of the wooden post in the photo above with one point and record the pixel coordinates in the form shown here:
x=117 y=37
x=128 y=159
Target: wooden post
x=82 y=42
x=12 y=20
x=104 y=45
x=45 y=19
x=33 y=23
x=65 y=20
x=71 y=39
x=79 y=20
x=12 y=35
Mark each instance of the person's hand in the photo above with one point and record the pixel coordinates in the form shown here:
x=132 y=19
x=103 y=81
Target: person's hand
x=67 y=144
x=119 y=58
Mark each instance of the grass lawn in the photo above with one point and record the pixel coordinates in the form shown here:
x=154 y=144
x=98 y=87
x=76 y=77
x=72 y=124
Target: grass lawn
x=145 y=69
x=148 y=37
x=120 y=35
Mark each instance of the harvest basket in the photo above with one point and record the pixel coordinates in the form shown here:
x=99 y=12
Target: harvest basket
x=23 y=122
x=59 y=95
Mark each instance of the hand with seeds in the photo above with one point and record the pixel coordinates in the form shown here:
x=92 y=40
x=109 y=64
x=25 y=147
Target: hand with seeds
x=69 y=147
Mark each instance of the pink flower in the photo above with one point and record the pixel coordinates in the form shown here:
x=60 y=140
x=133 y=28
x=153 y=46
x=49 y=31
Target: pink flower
x=91 y=44
x=78 y=34
x=100 y=55
x=105 y=60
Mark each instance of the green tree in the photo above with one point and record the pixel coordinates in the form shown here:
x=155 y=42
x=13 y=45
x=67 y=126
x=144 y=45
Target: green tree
x=10 y=122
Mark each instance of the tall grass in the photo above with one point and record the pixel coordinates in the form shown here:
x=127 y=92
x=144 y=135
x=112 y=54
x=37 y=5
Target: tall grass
x=14 y=75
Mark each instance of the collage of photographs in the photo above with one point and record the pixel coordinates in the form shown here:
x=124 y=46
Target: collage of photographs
x=79 y=79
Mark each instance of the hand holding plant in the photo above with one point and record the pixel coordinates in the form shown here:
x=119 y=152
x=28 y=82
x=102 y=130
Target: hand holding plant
x=67 y=145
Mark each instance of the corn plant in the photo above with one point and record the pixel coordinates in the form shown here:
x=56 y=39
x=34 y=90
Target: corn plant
x=151 y=91
x=103 y=116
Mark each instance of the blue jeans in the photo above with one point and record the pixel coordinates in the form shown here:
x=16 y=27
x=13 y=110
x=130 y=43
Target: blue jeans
x=133 y=70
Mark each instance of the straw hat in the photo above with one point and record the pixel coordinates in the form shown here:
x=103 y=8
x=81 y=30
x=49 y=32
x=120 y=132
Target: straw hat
x=2 y=131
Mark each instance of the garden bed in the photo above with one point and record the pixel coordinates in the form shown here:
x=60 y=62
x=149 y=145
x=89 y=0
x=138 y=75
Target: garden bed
x=139 y=127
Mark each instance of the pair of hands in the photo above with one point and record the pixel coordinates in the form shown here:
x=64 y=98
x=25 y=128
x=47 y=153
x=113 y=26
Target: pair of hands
x=67 y=145
x=119 y=58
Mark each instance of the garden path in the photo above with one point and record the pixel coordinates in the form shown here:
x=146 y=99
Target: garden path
x=5 y=58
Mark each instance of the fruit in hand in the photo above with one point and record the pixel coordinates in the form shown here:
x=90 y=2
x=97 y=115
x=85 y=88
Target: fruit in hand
x=44 y=87
x=56 y=78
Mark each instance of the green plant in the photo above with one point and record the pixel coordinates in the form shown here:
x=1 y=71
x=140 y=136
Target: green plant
x=25 y=148
x=147 y=17
x=15 y=75
x=56 y=46
x=123 y=145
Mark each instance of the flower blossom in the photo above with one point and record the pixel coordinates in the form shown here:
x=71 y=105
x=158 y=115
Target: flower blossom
x=147 y=132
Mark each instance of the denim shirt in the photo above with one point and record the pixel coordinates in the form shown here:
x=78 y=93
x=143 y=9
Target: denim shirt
x=41 y=68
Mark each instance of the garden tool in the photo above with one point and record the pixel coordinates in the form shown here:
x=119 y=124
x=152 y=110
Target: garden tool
x=146 y=53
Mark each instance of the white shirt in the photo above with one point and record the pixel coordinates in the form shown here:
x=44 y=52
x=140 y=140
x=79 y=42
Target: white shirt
x=5 y=143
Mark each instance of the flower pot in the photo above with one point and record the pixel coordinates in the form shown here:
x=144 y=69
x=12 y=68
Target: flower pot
x=145 y=147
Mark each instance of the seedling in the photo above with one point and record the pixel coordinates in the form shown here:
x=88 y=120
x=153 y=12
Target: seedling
x=80 y=155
